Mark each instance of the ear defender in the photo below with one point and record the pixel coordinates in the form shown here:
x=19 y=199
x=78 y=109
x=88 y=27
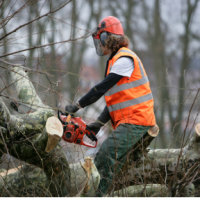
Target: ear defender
x=103 y=37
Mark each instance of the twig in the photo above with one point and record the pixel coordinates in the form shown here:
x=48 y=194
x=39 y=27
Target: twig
x=19 y=10
x=68 y=23
x=25 y=68
x=50 y=44
x=1 y=3
x=34 y=20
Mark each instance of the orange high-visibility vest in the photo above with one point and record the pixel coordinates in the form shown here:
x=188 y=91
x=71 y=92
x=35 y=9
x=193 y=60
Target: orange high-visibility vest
x=130 y=100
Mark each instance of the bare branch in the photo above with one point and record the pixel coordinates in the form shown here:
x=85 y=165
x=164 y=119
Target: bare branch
x=34 y=20
x=25 y=68
x=8 y=18
x=50 y=44
x=68 y=23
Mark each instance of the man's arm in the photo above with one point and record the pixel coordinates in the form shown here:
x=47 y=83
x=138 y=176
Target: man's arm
x=99 y=90
x=101 y=120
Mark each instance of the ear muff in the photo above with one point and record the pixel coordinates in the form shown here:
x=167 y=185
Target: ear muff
x=103 y=37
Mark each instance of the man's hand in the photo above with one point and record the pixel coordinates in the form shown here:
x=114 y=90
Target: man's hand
x=95 y=127
x=101 y=120
x=71 y=109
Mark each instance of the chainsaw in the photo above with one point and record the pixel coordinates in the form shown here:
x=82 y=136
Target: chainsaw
x=74 y=129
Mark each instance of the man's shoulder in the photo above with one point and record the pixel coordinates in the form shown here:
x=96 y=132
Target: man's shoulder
x=124 y=60
x=126 y=50
x=124 y=66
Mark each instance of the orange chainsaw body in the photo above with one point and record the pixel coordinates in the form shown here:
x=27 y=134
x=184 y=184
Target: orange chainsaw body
x=75 y=129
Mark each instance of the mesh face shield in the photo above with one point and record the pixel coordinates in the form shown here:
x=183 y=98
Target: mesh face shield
x=100 y=40
x=96 y=39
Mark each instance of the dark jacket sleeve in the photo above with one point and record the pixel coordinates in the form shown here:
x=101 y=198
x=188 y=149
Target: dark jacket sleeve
x=99 y=90
x=104 y=116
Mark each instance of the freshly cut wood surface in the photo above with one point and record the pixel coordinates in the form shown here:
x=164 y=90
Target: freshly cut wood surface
x=54 y=130
x=54 y=126
x=153 y=131
x=197 y=129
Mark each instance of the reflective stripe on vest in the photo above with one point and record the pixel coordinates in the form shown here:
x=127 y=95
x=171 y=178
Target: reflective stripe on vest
x=118 y=88
x=131 y=102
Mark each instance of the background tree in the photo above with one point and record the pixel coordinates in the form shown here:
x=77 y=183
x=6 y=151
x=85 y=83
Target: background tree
x=51 y=40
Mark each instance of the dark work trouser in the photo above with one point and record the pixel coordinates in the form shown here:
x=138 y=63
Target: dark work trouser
x=113 y=153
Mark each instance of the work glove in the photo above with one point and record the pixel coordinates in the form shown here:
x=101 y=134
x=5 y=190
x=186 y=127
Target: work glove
x=95 y=127
x=101 y=120
x=71 y=109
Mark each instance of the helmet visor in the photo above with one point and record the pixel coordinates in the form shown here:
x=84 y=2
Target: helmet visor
x=96 y=40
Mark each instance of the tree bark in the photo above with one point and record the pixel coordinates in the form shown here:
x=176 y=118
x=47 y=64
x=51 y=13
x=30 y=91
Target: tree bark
x=149 y=190
x=33 y=138
x=29 y=180
x=26 y=138
x=175 y=168
x=24 y=181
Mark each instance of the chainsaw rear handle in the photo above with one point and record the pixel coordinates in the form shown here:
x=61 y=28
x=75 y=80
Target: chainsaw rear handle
x=86 y=144
x=93 y=137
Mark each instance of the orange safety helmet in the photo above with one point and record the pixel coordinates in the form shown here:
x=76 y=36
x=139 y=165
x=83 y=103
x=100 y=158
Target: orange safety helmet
x=110 y=25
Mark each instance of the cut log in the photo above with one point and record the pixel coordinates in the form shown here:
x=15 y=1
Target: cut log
x=27 y=181
x=149 y=190
x=93 y=178
x=161 y=165
x=84 y=180
x=54 y=130
x=26 y=137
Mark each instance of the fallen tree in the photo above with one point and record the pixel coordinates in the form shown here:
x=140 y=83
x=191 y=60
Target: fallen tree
x=176 y=168
x=34 y=138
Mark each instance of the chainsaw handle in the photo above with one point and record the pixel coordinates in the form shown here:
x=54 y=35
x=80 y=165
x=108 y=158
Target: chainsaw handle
x=89 y=145
x=59 y=111
x=93 y=137
x=67 y=120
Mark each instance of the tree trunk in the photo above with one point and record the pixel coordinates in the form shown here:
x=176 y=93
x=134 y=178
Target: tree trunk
x=175 y=168
x=33 y=138
x=29 y=180
x=26 y=138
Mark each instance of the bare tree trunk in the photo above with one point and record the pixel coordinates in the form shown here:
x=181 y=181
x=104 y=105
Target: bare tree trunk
x=185 y=60
x=33 y=138
x=29 y=180
x=26 y=138
x=149 y=190
x=163 y=166
x=175 y=168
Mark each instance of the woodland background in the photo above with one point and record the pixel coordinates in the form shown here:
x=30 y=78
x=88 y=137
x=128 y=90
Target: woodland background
x=55 y=37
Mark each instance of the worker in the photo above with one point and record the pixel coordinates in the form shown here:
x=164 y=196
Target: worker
x=128 y=97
